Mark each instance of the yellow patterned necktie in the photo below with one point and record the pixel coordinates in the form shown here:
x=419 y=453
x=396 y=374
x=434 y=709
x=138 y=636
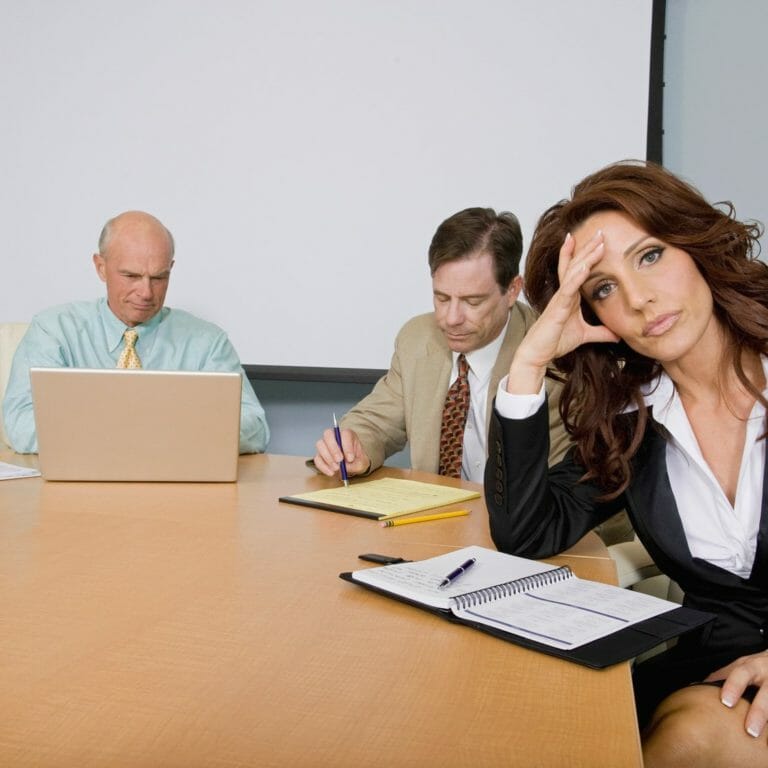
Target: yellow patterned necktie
x=129 y=357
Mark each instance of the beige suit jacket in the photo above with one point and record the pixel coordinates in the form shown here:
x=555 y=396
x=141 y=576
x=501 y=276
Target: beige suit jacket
x=406 y=405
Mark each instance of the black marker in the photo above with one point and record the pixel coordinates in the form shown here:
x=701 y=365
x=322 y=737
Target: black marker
x=382 y=559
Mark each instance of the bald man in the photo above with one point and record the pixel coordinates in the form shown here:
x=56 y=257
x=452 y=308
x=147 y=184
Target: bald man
x=134 y=260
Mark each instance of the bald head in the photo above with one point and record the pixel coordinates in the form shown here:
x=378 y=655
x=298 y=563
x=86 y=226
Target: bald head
x=134 y=260
x=134 y=223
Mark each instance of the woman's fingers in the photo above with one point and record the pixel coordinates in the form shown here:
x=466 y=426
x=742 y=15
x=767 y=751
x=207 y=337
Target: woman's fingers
x=747 y=670
x=566 y=254
x=574 y=265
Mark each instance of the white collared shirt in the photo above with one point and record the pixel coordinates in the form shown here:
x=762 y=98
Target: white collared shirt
x=716 y=531
x=481 y=362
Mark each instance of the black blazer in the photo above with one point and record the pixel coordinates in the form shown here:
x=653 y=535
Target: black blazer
x=537 y=512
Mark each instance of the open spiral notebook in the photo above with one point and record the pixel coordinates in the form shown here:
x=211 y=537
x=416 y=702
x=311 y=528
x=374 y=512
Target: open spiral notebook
x=536 y=605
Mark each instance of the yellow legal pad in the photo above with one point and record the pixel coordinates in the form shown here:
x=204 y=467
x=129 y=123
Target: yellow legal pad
x=384 y=498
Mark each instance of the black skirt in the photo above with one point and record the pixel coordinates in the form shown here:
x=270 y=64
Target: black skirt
x=659 y=676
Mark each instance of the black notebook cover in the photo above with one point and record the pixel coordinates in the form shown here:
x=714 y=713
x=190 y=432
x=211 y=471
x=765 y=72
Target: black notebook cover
x=331 y=507
x=604 y=652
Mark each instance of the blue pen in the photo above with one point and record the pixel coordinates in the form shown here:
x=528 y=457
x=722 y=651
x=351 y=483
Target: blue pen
x=343 y=464
x=456 y=572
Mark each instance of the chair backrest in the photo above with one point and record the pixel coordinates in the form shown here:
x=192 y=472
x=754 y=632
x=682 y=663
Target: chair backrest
x=636 y=570
x=10 y=336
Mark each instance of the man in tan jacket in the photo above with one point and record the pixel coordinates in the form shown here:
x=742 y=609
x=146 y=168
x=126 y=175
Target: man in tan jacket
x=474 y=260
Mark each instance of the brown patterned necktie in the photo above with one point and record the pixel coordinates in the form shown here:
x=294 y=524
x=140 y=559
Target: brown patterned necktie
x=129 y=357
x=455 y=413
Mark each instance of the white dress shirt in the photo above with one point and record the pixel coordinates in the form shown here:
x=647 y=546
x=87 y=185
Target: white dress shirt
x=716 y=531
x=481 y=362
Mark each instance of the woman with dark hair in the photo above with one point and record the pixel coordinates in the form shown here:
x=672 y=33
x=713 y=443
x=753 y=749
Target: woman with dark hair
x=654 y=311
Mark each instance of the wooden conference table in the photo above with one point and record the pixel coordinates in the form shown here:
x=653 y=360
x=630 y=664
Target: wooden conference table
x=205 y=625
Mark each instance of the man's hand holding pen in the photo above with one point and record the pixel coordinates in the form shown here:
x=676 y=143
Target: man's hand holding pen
x=329 y=455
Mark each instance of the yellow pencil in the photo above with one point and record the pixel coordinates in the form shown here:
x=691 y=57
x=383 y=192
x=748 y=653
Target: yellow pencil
x=424 y=518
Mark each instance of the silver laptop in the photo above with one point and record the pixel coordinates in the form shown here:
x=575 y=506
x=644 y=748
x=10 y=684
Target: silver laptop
x=127 y=425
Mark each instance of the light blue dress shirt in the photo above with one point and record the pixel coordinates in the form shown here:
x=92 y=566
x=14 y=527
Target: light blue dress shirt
x=86 y=334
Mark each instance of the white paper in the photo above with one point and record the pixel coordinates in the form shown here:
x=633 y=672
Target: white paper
x=569 y=613
x=420 y=580
x=12 y=471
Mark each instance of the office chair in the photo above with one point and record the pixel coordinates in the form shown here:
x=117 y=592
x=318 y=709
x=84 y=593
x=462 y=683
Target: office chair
x=636 y=570
x=10 y=336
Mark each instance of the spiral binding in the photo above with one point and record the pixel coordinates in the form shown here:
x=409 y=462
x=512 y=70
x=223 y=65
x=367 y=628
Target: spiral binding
x=509 y=588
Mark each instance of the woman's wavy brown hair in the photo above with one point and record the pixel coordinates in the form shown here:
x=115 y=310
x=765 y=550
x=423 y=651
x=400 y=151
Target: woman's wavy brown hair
x=602 y=380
